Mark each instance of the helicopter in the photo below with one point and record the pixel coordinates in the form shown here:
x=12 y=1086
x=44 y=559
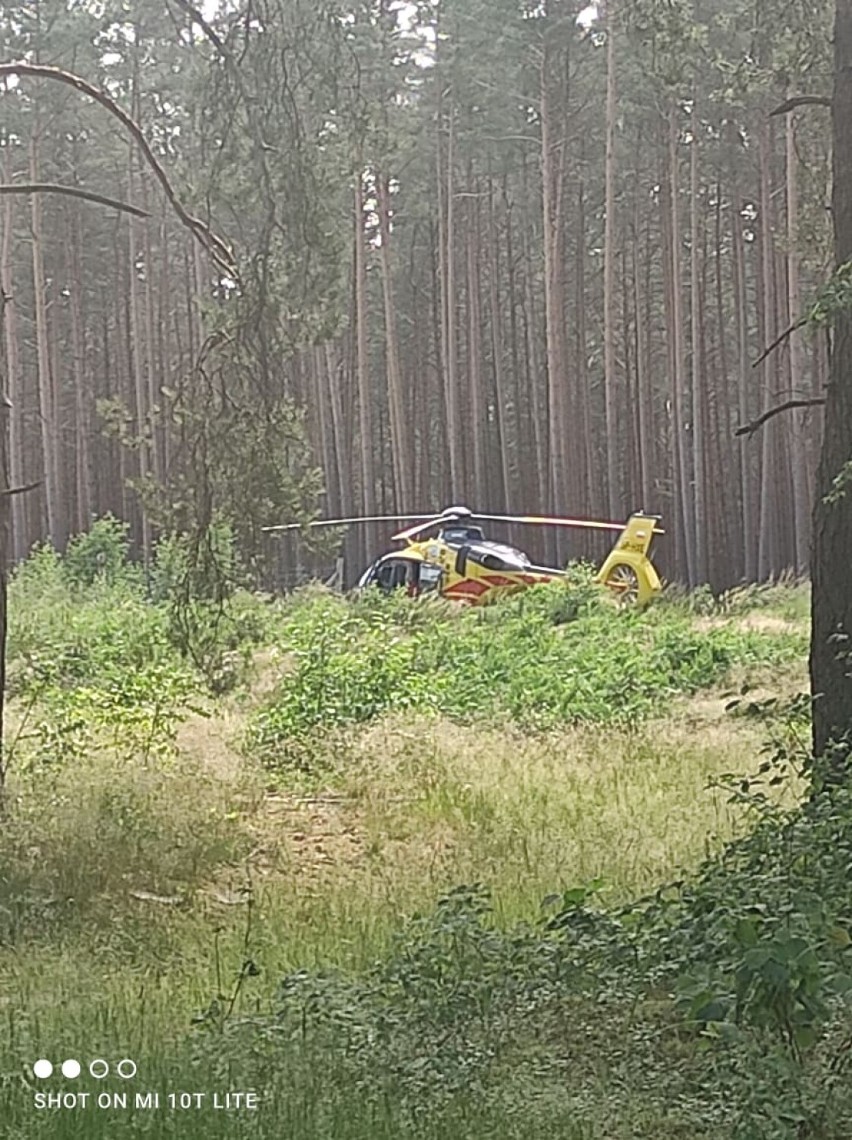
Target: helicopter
x=448 y=554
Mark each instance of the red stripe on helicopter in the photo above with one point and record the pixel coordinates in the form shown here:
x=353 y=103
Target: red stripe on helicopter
x=469 y=588
x=499 y=580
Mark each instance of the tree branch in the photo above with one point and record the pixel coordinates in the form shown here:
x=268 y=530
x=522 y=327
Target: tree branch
x=801 y=101
x=190 y=10
x=73 y=192
x=779 y=340
x=750 y=428
x=9 y=491
x=215 y=246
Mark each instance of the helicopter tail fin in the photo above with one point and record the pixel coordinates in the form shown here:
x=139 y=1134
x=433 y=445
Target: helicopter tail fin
x=638 y=533
x=627 y=569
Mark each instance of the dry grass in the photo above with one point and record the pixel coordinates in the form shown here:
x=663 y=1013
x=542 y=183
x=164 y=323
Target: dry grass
x=411 y=808
x=419 y=805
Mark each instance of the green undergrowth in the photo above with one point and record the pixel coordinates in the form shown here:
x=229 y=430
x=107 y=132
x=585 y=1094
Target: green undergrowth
x=718 y=1007
x=553 y=656
x=637 y=955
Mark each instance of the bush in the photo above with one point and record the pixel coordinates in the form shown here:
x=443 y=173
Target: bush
x=550 y=656
x=99 y=554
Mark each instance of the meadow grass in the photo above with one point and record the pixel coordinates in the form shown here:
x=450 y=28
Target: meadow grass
x=135 y=890
x=333 y=871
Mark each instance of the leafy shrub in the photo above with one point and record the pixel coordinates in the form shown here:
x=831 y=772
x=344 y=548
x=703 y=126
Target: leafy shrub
x=101 y=553
x=547 y=657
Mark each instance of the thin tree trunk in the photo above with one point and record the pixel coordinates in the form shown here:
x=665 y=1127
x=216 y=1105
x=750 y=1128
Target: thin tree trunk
x=554 y=103
x=799 y=452
x=14 y=387
x=698 y=421
x=590 y=500
x=643 y=385
x=676 y=356
x=365 y=395
x=767 y=533
x=613 y=442
x=505 y=402
x=476 y=386
x=47 y=412
x=80 y=371
x=136 y=373
x=401 y=452
x=449 y=348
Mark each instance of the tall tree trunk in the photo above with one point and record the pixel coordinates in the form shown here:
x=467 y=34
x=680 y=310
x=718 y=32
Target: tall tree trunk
x=401 y=451
x=505 y=402
x=476 y=383
x=449 y=347
x=643 y=385
x=749 y=514
x=14 y=387
x=554 y=102
x=768 y=531
x=365 y=394
x=539 y=482
x=613 y=442
x=47 y=411
x=80 y=372
x=591 y=500
x=831 y=604
x=674 y=314
x=135 y=357
x=699 y=428
x=799 y=452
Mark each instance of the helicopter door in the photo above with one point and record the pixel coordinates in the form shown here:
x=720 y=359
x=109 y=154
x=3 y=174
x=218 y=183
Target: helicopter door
x=430 y=578
x=396 y=572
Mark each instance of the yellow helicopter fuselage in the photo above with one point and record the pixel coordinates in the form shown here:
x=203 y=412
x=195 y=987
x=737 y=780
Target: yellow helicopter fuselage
x=460 y=564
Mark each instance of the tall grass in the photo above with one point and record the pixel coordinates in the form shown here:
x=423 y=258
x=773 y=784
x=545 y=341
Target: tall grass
x=152 y=899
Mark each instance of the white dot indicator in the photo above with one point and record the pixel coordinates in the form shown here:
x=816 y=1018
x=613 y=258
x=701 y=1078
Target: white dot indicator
x=99 y=1069
x=126 y=1068
x=43 y=1069
x=71 y=1069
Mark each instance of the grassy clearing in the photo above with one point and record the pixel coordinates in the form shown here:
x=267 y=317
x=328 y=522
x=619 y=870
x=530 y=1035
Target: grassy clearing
x=166 y=866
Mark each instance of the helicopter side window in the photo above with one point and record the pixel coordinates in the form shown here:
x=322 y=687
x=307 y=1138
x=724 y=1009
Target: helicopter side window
x=393 y=574
x=495 y=562
x=461 y=560
x=430 y=578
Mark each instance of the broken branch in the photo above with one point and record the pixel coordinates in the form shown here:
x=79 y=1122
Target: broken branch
x=19 y=490
x=779 y=340
x=801 y=101
x=215 y=246
x=72 y=192
x=750 y=428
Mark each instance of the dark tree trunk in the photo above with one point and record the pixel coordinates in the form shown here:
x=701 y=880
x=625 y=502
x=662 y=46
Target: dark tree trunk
x=831 y=682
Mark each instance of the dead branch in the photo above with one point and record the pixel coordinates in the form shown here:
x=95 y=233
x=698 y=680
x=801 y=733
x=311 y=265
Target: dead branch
x=779 y=340
x=9 y=491
x=215 y=246
x=801 y=101
x=73 y=192
x=190 y=10
x=750 y=428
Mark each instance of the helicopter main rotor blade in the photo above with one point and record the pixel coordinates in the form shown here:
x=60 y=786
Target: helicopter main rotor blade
x=548 y=520
x=414 y=530
x=346 y=522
